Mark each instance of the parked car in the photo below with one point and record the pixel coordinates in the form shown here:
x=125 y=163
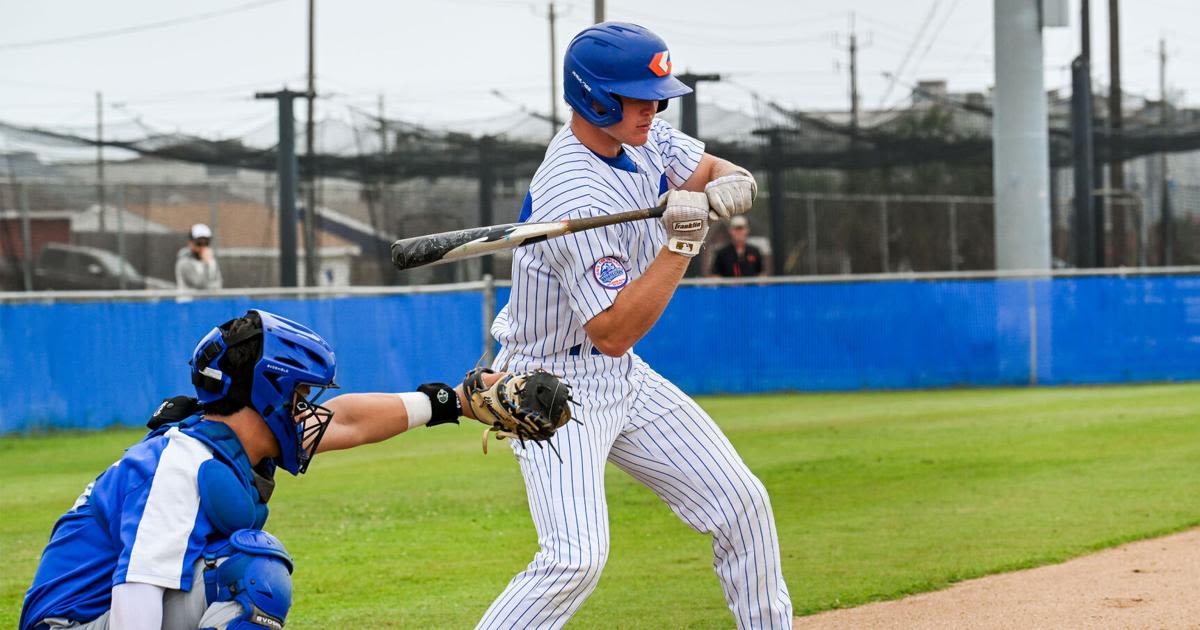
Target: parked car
x=11 y=274
x=62 y=267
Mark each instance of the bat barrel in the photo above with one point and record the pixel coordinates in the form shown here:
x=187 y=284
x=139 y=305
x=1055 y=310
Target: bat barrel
x=417 y=252
x=434 y=248
x=447 y=246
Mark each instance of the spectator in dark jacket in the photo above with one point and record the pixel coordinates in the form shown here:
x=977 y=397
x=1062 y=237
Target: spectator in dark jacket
x=739 y=258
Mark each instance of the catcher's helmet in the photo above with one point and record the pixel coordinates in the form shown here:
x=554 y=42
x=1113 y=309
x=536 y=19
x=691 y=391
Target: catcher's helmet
x=617 y=59
x=293 y=357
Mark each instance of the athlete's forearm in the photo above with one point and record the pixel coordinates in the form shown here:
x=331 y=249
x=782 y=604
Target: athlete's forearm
x=368 y=418
x=711 y=167
x=616 y=329
x=363 y=419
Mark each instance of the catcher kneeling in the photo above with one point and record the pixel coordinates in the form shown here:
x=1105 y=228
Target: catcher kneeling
x=170 y=536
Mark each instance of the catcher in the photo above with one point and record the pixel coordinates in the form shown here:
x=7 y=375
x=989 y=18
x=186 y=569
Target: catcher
x=171 y=535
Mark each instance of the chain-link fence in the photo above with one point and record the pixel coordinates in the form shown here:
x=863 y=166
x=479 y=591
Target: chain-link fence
x=816 y=233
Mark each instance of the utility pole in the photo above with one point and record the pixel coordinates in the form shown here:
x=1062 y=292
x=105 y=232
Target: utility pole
x=287 y=182
x=597 y=11
x=100 y=157
x=1095 y=172
x=310 y=179
x=554 y=96
x=1116 y=168
x=1168 y=234
x=383 y=130
x=1086 y=252
x=853 y=80
x=689 y=111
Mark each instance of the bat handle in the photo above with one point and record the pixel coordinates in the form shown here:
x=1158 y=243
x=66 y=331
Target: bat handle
x=589 y=223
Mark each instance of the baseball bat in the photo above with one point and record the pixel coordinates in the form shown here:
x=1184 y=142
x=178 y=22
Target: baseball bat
x=472 y=242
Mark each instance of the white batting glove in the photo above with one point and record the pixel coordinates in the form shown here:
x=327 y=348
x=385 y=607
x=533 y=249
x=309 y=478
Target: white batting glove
x=731 y=195
x=686 y=220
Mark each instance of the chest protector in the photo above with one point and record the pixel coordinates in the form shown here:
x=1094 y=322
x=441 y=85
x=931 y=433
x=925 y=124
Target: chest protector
x=233 y=495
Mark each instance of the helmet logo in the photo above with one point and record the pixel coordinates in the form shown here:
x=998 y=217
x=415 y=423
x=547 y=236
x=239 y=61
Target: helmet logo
x=660 y=65
x=581 y=81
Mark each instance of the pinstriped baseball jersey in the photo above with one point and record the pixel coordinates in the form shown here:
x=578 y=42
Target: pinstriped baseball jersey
x=560 y=284
x=627 y=413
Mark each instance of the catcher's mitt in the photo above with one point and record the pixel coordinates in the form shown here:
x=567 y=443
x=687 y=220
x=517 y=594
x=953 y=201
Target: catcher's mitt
x=529 y=406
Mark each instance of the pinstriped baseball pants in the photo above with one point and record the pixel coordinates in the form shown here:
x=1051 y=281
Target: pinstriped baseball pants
x=631 y=416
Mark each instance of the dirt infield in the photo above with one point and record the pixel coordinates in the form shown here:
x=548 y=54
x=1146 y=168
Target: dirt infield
x=1146 y=584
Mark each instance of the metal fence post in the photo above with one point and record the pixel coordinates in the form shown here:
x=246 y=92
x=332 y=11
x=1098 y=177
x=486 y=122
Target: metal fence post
x=487 y=192
x=269 y=198
x=26 y=238
x=775 y=201
x=121 y=233
x=810 y=206
x=883 y=234
x=1033 y=330
x=1143 y=232
x=489 y=312
x=213 y=208
x=953 y=211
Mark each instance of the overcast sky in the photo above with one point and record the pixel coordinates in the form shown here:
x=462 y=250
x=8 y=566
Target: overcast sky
x=439 y=60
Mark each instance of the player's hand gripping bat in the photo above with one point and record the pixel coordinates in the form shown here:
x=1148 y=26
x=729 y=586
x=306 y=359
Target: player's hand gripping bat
x=471 y=242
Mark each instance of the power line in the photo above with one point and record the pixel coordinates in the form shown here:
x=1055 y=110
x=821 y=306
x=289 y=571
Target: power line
x=903 y=35
x=126 y=30
x=911 y=49
x=934 y=38
x=45 y=86
x=760 y=43
x=671 y=22
x=528 y=4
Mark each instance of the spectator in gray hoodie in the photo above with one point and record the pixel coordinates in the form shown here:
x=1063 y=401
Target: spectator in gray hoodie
x=196 y=267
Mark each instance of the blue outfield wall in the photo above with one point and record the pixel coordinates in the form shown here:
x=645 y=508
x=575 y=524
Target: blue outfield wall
x=86 y=365
x=918 y=334
x=95 y=364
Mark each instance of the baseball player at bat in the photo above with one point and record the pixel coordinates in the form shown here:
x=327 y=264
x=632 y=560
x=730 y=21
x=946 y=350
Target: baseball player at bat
x=170 y=536
x=578 y=305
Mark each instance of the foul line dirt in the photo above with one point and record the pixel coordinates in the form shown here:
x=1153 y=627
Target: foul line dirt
x=1146 y=584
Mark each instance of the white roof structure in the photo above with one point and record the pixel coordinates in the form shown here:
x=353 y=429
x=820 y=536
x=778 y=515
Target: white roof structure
x=131 y=222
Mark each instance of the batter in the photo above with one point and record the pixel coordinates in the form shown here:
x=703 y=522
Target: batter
x=580 y=303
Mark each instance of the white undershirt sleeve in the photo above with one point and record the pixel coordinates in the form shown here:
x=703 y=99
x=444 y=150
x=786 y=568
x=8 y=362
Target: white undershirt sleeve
x=136 y=606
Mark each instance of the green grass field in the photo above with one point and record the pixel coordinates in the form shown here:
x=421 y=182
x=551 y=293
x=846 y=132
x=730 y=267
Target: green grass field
x=876 y=495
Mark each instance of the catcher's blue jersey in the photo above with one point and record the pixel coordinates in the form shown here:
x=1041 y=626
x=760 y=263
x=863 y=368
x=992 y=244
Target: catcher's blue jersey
x=139 y=521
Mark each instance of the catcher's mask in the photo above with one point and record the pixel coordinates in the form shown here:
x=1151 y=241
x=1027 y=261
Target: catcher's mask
x=295 y=368
x=312 y=420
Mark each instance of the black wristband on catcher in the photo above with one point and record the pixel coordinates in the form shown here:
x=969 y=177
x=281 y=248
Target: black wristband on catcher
x=444 y=402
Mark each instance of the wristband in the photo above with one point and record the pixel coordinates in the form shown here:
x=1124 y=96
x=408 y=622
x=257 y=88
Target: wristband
x=445 y=406
x=418 y=408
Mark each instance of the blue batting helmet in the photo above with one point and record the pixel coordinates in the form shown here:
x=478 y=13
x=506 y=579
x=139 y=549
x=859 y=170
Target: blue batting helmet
x=614 y=59
x=296 y=366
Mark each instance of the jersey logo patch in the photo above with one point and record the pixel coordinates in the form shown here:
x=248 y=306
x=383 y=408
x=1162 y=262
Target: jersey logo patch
x=610 y=273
